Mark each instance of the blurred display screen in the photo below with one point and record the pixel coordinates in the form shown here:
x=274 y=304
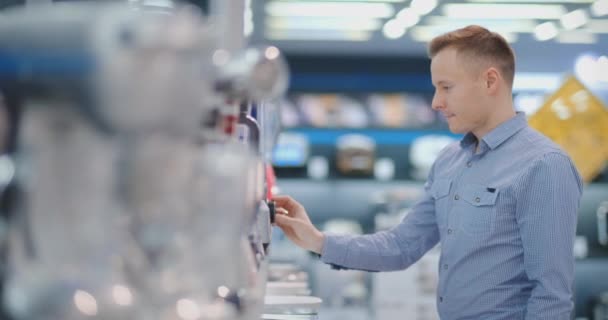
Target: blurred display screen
x=290 y=155
x=292 y=150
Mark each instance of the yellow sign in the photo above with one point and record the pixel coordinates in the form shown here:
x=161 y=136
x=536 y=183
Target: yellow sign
x=576 y=120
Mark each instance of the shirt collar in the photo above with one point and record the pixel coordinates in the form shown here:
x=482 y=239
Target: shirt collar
x=499 y=134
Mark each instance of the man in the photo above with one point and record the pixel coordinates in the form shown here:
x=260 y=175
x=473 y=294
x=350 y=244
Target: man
x=502 y=202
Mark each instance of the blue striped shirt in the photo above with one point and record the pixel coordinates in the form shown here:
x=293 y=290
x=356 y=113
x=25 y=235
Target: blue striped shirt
x=505 y=217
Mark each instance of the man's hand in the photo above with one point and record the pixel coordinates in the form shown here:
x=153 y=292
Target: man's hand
x=292 y=218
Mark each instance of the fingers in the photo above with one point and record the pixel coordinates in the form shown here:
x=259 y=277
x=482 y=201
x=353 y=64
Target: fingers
x=282 y=199
x=290 y=207
x=293 y=228
x=300 y=232
x=283 y=220
x=297 y=213
x=281 y=210
x=286 y=202
x=286 y=224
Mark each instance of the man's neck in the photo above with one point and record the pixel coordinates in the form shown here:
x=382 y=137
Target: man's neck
x=503 y=112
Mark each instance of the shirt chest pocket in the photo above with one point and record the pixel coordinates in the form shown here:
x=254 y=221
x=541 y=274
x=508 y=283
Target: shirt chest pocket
x=440 y=191
x=478 y=209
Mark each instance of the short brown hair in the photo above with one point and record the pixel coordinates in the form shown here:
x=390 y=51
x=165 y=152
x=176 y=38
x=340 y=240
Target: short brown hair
x=478 y=42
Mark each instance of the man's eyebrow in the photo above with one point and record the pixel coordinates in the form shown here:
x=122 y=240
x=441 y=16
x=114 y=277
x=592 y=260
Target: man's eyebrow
x=440 y=82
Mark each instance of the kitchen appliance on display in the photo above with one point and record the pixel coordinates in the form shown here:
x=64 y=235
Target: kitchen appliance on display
x=126 y=213
x=247 y=80
x=258 y=128
x=356 y=155
x=90 y=77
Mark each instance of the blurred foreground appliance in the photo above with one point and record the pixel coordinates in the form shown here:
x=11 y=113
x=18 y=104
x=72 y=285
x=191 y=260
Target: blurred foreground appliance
x=128 y=212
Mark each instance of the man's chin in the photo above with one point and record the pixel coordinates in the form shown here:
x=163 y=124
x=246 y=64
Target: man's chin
x=457 y=130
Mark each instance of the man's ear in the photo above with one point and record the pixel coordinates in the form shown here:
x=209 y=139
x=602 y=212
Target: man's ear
x=492 y=79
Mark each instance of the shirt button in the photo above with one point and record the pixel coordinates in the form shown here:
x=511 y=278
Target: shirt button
x=456 y=197
x=449 y=231
x=440 y=299
x=477 y=199
x=445 y=266
x=469 y=164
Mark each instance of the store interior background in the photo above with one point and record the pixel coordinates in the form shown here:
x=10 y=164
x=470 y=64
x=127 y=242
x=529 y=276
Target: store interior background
x=359 y=134
x=360 y=67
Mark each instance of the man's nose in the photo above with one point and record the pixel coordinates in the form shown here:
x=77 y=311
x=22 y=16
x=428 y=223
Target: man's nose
x=437 y=103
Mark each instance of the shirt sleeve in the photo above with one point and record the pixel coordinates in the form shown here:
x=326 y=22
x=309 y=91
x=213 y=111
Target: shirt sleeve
x=546 y=212
x=394 y=249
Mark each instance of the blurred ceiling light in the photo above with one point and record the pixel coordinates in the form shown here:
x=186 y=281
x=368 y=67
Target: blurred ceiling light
x=159 y=3
x=602 y=66
x=407 y=17
x=505 y=25
x=424 y=34
x=599 y=8
x=427 y=33
x=597 y=26
x=586 y=68
x=545 y=31
x=535 y=1
x=318 y=35
x=503 y=11
x=574 y=19
x=330 y=9
x=577 y=36
x=316 y=23
x=423 y=7
x=395 y=1
x=393 y=29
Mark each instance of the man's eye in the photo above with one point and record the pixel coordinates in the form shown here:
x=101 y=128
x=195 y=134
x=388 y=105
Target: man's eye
x=446 y=88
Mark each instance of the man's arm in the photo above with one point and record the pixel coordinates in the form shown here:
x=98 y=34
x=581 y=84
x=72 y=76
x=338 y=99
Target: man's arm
x=546 y=212
x=394 y=249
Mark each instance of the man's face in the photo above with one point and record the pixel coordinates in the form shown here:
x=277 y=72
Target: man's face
x=460 y=92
